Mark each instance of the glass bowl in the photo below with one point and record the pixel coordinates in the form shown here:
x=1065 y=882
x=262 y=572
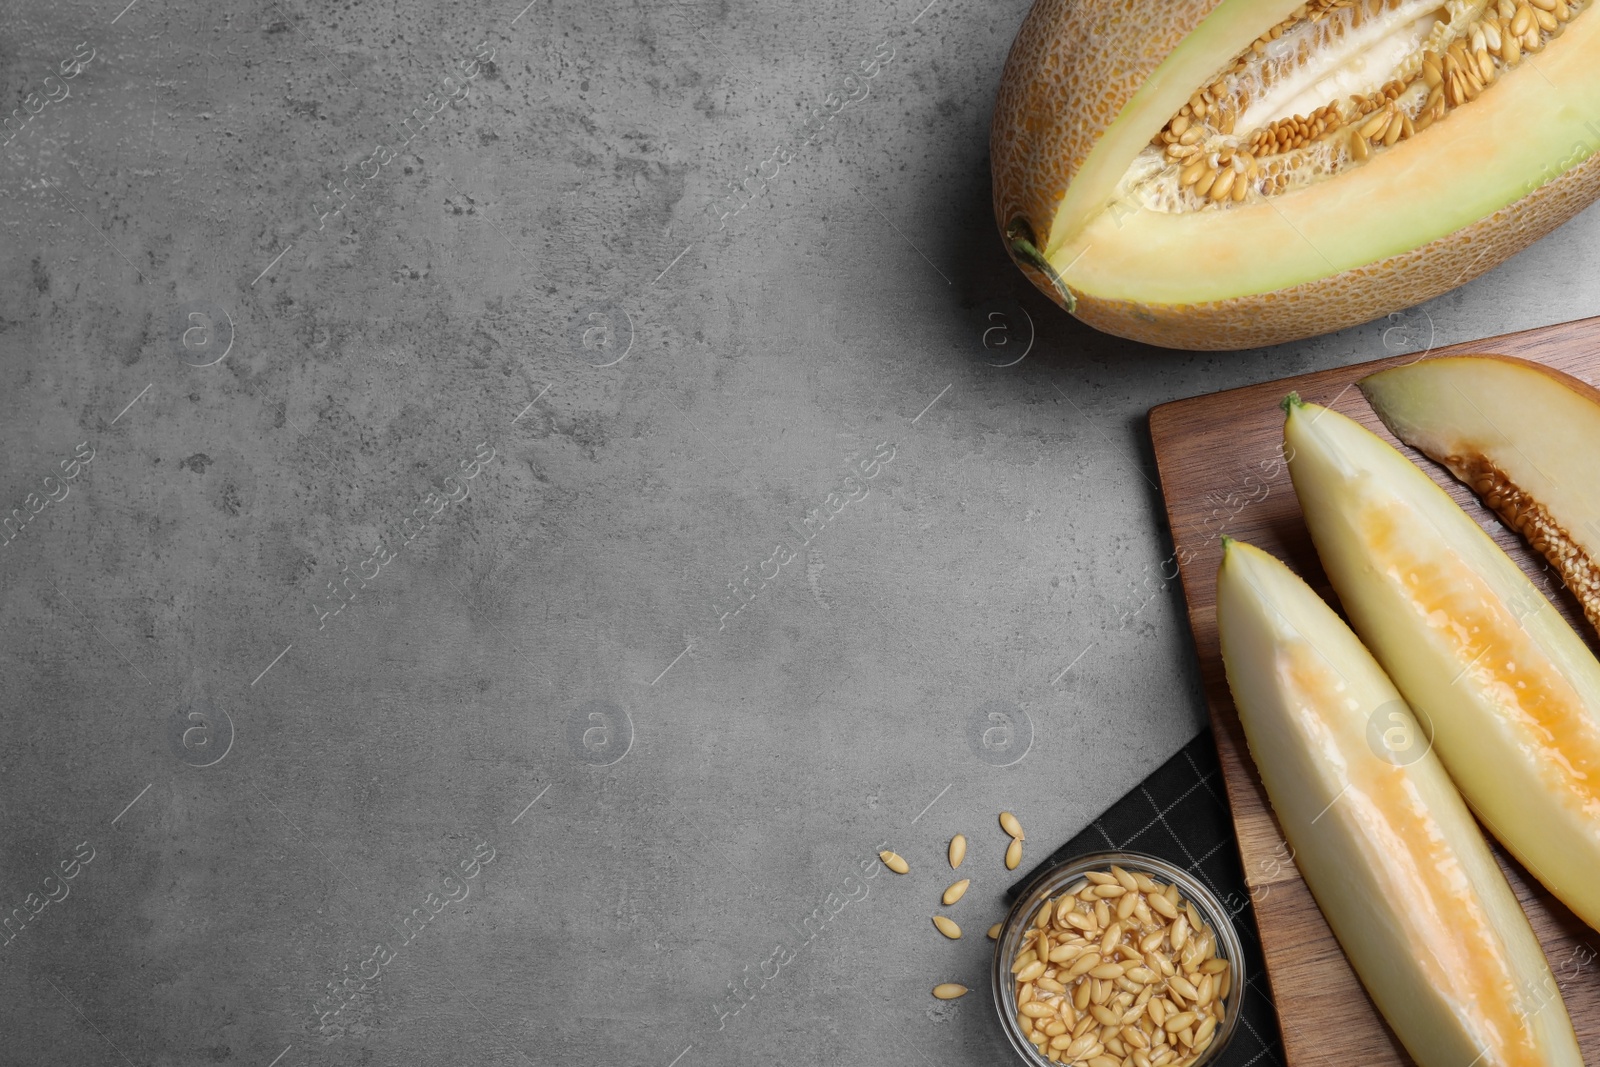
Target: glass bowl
x=1055 y=882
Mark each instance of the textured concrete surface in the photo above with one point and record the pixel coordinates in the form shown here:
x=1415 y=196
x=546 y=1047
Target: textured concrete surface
x=791 y=531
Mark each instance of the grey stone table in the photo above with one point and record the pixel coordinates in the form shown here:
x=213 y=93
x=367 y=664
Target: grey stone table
x=521 y=505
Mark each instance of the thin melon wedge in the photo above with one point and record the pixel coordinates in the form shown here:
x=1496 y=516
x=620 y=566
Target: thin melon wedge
x=1512 y=692
x=1385 y=843
x=1523 y=436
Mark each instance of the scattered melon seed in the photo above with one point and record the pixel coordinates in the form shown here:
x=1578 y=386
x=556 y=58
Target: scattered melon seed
x=947 y=926
x=949 y=990
x=1009 y=823
x=956 y=891
x=894 y=862
x=958 y=850
x=1014 y=854
x=994 y=932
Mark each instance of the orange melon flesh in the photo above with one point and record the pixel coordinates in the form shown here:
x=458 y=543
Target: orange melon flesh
x=1523 y=436
x=1387 y=846
x=1512 y=693
x=1535 y=122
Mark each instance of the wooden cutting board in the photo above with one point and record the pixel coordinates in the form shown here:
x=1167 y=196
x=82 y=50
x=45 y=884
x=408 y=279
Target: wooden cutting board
x=1221 y=470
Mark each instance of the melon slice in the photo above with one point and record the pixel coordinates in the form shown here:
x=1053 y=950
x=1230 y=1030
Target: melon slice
x=1523 y=436
x=1229 y=173
x=1512 y=692
x=1380 y=834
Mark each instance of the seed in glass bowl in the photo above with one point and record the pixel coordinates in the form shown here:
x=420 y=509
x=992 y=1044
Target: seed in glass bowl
x=1142 y=985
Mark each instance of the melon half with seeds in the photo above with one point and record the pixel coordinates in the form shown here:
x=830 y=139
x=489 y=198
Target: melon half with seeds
x=1222 y=174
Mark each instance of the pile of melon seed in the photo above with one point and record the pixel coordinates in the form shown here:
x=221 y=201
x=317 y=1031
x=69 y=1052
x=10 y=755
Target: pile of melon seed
x=1117 y=971
x=1120 y=971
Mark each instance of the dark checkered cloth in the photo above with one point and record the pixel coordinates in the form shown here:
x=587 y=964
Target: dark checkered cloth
x=1180 y=813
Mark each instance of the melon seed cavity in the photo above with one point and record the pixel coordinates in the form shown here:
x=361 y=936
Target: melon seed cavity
x=1330 y=87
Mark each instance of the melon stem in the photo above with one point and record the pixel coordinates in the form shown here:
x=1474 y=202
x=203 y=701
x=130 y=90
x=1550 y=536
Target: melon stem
x=1027 y=252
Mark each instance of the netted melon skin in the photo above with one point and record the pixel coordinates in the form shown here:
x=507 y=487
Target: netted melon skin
x=1078 y=58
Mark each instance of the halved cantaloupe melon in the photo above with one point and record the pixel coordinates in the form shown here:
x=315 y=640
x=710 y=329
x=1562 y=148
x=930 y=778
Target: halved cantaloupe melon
x=1389 y=850
x=1511 y=690
x=1228 y=173
x=1524 y=437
